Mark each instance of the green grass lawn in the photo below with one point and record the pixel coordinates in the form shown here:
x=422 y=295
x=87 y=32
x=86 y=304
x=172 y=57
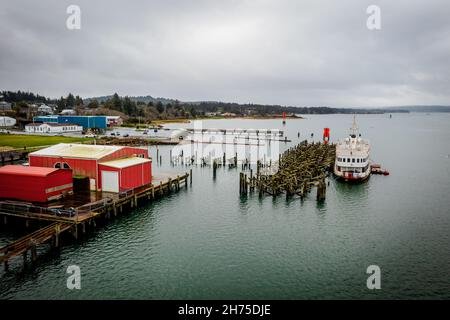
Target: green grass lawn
x=25 y=140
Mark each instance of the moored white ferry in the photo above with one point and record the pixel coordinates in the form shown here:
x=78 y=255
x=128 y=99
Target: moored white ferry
x=353 y=157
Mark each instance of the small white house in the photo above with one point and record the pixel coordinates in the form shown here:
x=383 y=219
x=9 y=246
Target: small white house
x=52 y=128
x=7 y=122
x=45 y=109
x=5 y=106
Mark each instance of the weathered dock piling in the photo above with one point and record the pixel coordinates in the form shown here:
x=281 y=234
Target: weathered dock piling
x=298 y=169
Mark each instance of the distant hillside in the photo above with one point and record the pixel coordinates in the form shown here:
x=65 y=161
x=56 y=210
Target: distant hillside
x=420 y=108
x=238 y=108
x=144 y=99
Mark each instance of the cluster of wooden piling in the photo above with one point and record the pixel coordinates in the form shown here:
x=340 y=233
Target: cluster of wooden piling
x=298 y=170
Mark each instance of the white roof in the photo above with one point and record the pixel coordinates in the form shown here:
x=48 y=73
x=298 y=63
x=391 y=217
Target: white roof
x=75 y=150
x=68 y=111
x=126 y=162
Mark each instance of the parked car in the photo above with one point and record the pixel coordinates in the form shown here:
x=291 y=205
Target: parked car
x=113 y=134
x=126 y=135
x=91 y=135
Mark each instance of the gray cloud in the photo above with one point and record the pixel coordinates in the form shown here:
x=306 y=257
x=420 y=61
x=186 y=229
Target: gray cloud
x=287 y=52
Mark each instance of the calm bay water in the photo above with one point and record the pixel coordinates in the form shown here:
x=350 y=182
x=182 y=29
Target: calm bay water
x=207 y=242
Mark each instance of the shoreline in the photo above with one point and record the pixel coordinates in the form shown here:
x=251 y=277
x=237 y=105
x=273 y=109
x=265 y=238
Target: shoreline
x=186 y=120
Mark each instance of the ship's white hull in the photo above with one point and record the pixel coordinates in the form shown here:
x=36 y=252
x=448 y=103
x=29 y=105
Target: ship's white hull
x=351 y=176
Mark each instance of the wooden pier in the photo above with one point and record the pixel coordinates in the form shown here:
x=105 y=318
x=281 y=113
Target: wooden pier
x=296 y=172
x=77 y=220
x=11 y=156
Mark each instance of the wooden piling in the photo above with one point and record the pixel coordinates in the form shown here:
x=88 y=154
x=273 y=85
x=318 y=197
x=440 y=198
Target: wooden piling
x=321 y=190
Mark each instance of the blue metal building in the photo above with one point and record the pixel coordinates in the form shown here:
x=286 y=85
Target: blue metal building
x=87 y=122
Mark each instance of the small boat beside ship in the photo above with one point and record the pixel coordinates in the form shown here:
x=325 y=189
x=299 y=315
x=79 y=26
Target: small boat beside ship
x=353 y=157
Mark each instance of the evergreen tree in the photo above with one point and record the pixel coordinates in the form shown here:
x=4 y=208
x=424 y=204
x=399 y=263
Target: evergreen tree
x=159 y=107
x=116 y=102
x=70 y=101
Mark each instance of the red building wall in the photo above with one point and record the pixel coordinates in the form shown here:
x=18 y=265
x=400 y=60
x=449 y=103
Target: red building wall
x=82 y=167
x=135 y=176
x=35 y=188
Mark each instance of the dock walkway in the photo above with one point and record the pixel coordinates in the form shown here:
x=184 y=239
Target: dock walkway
x=76 y=219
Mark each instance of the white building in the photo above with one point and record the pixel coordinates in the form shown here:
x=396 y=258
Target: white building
x=114 y=121
x=5 y=106
x=7 y=122
x=52 y=128
x=45 y=109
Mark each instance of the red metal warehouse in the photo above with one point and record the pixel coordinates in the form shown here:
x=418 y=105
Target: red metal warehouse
x=85 y=160
x=34 y=183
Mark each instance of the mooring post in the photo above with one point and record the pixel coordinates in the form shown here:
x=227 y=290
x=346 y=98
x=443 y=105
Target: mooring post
x=245 y=184
x=33 y=252
x=321 y=190
x=240 y=182
x=57 y=230
x=75 y=232
x=24 y=255
x=190 y=176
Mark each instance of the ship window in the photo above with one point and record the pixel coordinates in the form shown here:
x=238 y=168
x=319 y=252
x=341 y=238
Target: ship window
x=58 y=165
x=66 y=166
x=348 y=159
x=353 y=160
x=357 y=160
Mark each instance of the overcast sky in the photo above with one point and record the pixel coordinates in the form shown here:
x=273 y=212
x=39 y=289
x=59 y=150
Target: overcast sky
x=299 y=53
